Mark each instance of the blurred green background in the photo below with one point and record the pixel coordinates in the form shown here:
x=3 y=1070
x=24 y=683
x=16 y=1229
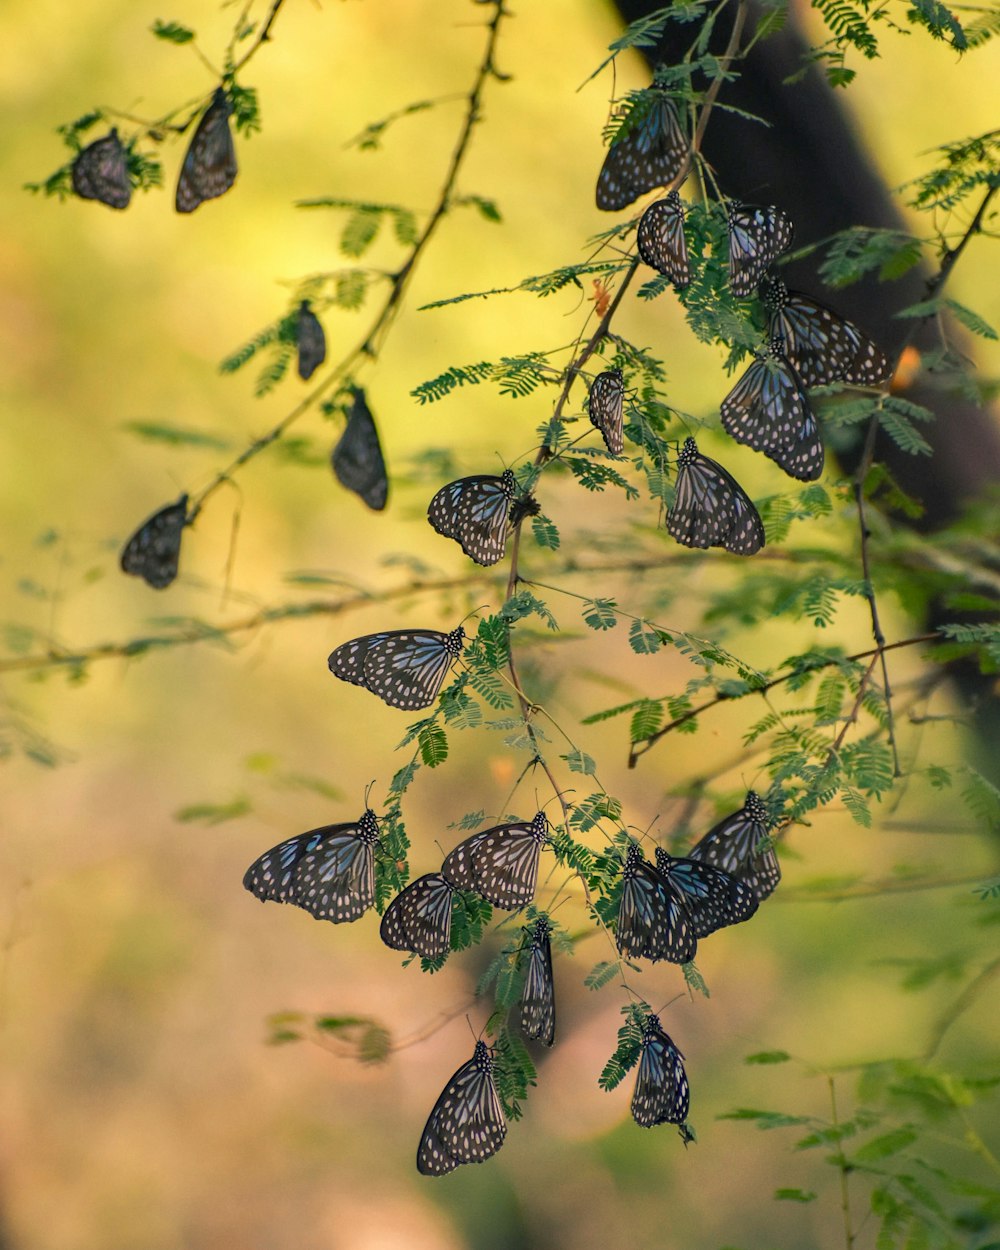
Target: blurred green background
x=141 y=1105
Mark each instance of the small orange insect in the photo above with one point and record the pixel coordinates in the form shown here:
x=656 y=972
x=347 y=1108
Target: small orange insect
x=602 y=297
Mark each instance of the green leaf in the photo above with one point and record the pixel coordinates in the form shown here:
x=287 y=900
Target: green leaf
x=172 y=32
x=175 y=435
x=644 y=639
x=768 y=1056
x=646 y=720
x=433 y=744
x=600 y=613
x=580 y=762
x=214 y=813
x=600 y=975
x=545 y=533
x=794 y=1195
x=886 y=1145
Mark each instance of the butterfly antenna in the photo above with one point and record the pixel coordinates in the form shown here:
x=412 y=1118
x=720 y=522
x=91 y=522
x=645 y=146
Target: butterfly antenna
x=368 y=789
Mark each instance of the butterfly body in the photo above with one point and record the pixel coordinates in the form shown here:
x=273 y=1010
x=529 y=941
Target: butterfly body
x=662 y=1094
x=647 y=152
x=310 y=341
x=714 y=898
x=733 y=844
x=153 y=551
x=357 y=458
x=467 y=1123
x=661 y=242
x=500 y=864
x=607 y=400
x=768 y=410
x=209 y=167
x=404 y=667
x=475 y=512
x=538 y=1002
x=100 y=172
x=653 y=923
x=757 y=235
x=419 y=918
x=710 y=508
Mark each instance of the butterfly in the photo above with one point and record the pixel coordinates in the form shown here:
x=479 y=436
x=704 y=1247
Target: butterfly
x=310 y=340
x=209 y=167
x=714 y=898
x=476 y=512
x=710 y=508
x=467 y=1123
x=733 y=845
x=100 y=172
x=538 y=1000
x=821 y=345
x=607 y=395
x=154 y=549
x=661 y=242
x=330 y=872
x=768 y=410
x=357 y=458
x=500 y=864
x=756 y=236
x=649 y=151
x=652 y=921
x=419 y=918
x=404 y=667
x=662 y=1094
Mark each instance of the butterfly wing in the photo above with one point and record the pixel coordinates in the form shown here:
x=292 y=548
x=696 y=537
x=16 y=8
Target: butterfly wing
x=467 y=1123
x=652 y=921
x=767 y=410
x=100 y=172
x=419 y=918
x=757 y=235
x=661 y=242
x=153 y=551
x=407 y=668
x=710 y=508
x=662 y=1094
x=649 y=152
x=822 y=346
x=474 y=511
x=607 y=397
x=733 y=845
x=348 y=660
x=335 y=878
x=538 y=1001
x=714 y=899
x=310 y=341
x=271 y=876
x=209 y=167
x=500 y=864
x=357 y=458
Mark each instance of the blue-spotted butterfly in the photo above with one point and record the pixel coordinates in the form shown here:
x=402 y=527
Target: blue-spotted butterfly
x=419 y=918
x=538 y=999
x=757 y=235
x=467 y=1123
x=662 y=1094
x=660 y=239
x=739 y=845
x=404 y=667
x=714 y=898
x=100 y=172
x=649 y=151
x=478 y=513
x=310 y=341
x=153 y=551
x=606 y=405
x=653 y=922
x=710 y=508
x=357 y=458
x=500 y=864
x=209 y=167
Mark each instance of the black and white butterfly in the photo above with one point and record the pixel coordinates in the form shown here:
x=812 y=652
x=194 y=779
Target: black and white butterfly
x=661 y=242
x=653 y=922
x=477 y=513
x=329 y=872
x=710 y=508
x=404 y=667
x=606 y=406
x=662 y=1094
x=419 y=918
x=713 y=897
x=357 y=458
x=100 y=172
x=209 y=167
x=467 y=1123
x=538 y=999
x=500 y=864
x=647 y=152
x=822 y=346
x=153 y=551
x=740 y=846
x=768 y=410
x=757 y=235
x=310 y=341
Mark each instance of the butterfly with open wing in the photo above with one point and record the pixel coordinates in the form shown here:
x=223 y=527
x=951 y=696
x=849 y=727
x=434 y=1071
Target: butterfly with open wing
x=479 y=513
x=209 y=167
x=357 y=458
x=467 y=1123
x=768 y=410
x=153 y=551
x=419 y=918
x=714 y=898
x=100 y=172
x=662 y=1094
x=329 y=872
x=538 y=999
x=757 y=235
x=653 y=921
x=606 y=407
x=661 y=242
x=710 y=508
x=310 y=341
x=739 y=845
x=648 y=151
x=821 y=345
x=500 y=864
x=404 y=667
